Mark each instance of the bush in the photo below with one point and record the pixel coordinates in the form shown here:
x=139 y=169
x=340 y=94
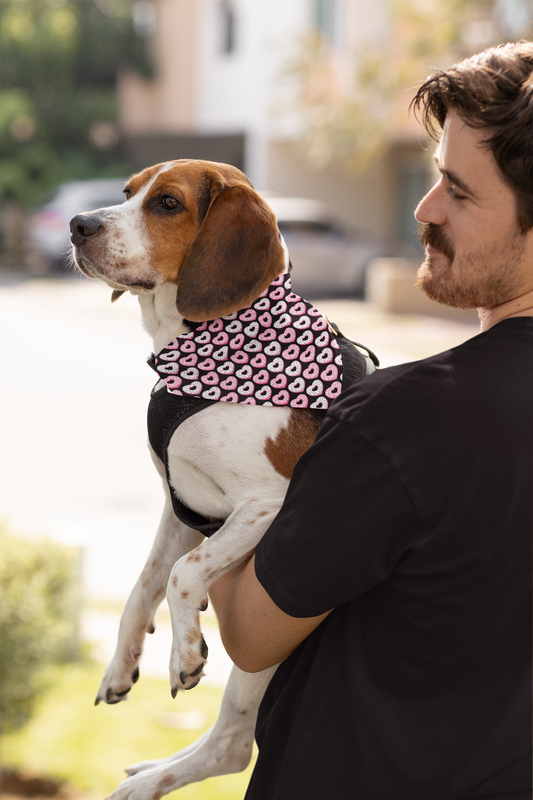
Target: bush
x=39 y=612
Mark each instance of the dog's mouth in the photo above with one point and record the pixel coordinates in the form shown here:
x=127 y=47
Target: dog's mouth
x=119 y=287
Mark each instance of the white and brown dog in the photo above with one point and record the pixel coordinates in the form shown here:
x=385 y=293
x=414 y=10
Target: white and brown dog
x=202 y=251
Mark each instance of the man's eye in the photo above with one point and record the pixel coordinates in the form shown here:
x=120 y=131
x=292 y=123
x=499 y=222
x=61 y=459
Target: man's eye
x=169 y=202
x=454 y=194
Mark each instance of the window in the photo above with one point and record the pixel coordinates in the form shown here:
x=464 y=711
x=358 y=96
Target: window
x=326 y=16
x=227 y=27
x=413 y=185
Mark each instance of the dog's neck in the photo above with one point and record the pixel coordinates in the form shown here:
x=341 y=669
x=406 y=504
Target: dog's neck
x=161 y=318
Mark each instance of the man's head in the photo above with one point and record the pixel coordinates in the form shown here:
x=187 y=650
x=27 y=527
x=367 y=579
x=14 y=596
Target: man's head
x=477 y=221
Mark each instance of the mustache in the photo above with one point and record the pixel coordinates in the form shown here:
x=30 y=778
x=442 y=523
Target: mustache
x=434 y=235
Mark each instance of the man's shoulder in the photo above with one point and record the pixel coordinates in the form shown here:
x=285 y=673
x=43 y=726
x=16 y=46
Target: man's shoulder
x=394 y=385
x=440 y=384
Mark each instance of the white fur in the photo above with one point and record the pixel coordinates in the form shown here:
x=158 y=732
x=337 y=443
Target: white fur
x=217 y=466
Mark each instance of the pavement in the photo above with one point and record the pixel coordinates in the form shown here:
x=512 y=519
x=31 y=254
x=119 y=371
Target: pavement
x=74 y=464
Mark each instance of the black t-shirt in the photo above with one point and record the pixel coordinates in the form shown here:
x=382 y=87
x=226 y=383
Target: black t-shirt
x=412 y=515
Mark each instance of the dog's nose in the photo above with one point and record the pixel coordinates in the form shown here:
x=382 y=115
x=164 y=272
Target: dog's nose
x=83 y=227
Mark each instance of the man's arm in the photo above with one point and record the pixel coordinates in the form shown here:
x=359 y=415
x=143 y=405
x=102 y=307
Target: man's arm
x=255 y=632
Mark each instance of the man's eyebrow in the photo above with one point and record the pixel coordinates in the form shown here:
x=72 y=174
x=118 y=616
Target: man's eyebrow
x=455 y=179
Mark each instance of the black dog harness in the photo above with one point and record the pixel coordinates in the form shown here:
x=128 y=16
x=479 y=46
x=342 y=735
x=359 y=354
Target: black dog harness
x=279 y=351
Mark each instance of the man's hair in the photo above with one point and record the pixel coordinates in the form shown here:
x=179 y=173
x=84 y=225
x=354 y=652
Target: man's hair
x=492 y=90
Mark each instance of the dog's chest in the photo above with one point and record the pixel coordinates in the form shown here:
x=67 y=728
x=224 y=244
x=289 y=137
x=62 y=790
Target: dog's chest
x=216 y=458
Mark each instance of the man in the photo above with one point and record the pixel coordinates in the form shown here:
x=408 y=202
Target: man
x=412 y=514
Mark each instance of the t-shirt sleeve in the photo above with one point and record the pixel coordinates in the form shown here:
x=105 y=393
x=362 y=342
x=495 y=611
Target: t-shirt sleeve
x=346 y=522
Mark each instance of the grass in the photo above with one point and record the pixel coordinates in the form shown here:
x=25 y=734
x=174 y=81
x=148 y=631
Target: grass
x=71 y=739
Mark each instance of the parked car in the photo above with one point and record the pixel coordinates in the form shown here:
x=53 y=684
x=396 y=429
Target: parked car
x=328 y=259
x=49 y=233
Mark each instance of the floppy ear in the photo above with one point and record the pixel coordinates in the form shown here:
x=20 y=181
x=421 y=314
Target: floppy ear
x=235 y=255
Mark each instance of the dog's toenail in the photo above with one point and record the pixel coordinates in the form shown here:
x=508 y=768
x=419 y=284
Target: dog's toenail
x=196 y=671
x=203 y=648
x=174 y=692
x=121 y=694
x=183 y=677
x=135 y=675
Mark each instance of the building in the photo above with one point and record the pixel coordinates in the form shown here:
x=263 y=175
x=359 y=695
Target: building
x=222 y=92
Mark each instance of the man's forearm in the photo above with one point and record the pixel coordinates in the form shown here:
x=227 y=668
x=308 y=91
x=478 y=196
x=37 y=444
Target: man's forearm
x=255 y=632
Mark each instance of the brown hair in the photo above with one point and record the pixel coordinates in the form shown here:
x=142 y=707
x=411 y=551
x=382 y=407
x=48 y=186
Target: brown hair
x=492 y=90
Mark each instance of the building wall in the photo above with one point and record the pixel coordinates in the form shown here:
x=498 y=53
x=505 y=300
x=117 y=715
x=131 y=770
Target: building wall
x=168 y=104
x=365 y=202
x=207 y=93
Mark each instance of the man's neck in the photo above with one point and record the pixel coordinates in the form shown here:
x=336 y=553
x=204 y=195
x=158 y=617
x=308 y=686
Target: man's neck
x=518 y=307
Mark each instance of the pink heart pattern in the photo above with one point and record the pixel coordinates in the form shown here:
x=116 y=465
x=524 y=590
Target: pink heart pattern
x=208 y=362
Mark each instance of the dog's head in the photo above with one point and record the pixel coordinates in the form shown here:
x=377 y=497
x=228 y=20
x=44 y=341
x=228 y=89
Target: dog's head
x=198 y=224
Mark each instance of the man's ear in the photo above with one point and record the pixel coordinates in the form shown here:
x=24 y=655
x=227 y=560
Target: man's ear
x=235 y=255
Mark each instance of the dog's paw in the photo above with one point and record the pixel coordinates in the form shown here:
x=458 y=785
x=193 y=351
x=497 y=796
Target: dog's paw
x=187 y=661
x=116 y=684
x=142 y=766
x=147 y=785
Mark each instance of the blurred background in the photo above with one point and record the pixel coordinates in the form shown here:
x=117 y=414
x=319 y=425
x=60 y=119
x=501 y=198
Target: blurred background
x=310 y=98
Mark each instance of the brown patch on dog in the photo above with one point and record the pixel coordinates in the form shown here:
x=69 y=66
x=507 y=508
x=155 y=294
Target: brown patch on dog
x=184 y=595
x=206 y=237
x=175 y=582
x=192 y=636
x=291 y=442
x=235 y=255
x=164 y=783
x=194 y=556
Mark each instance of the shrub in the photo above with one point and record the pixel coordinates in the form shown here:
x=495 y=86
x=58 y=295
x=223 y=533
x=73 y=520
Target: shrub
x=39 y=610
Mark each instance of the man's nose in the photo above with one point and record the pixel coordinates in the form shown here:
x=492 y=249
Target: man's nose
x=430 y=208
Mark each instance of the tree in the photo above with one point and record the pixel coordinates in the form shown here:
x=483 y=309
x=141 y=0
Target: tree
x=349 y=104
x=60 y=60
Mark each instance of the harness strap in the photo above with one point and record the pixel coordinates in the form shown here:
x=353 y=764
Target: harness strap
x=166 y=412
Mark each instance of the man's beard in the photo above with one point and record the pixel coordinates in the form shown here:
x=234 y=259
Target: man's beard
x=483 y=279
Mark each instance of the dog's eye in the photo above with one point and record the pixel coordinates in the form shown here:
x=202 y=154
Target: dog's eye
x=169 y=202
x=127 y=192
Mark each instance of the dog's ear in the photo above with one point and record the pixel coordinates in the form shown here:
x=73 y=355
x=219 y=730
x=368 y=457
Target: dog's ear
x=235 y=255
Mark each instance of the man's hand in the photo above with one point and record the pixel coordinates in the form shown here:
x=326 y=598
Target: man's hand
x=255 y=632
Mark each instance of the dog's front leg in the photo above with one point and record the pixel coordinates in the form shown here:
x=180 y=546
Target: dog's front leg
x=173 y=539
x=194 y=573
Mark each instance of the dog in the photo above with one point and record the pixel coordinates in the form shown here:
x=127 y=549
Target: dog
x=246 y=372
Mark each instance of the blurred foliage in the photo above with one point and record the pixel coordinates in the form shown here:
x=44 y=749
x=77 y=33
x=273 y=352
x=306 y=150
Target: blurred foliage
x=59 y=64
x=350 y=105
x=87 y=746
x=38 y=619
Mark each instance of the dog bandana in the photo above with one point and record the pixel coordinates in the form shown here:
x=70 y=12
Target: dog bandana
x=278 y=351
